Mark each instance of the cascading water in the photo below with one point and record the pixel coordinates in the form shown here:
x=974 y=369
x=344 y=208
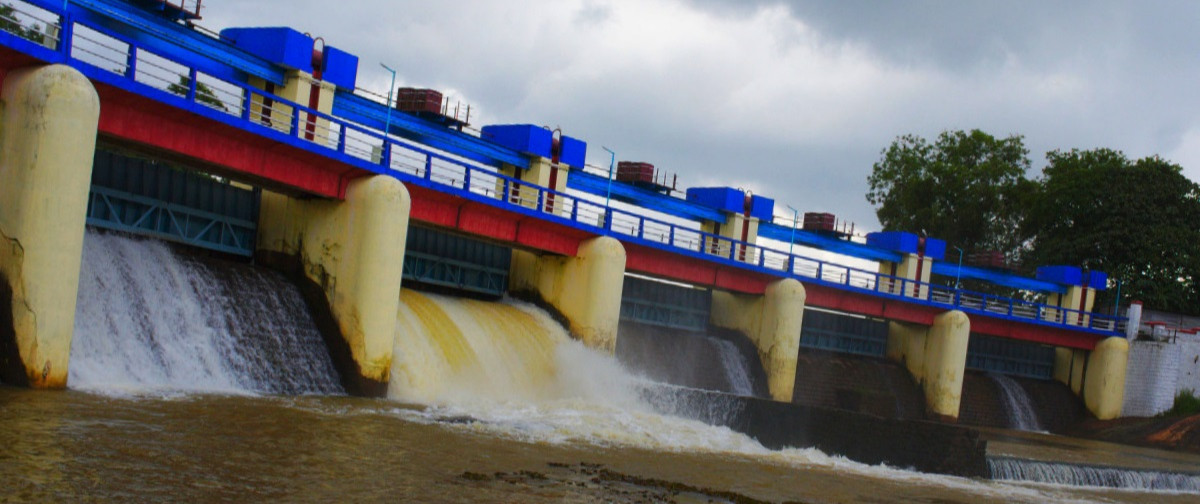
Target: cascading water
x=149 y=317
x=1021 y=415
x=737 y=370
x=1007 y=468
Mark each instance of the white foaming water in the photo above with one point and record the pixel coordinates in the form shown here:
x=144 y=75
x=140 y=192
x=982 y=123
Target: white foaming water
x=1021 y=415
x=737 y=370
x=150 y=319
x=1005 y=468
x=478 y=368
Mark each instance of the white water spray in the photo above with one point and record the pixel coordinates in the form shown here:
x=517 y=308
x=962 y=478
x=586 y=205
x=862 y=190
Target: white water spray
x=149 y=318
x=1021 y=415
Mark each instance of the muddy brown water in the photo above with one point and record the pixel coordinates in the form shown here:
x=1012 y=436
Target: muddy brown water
x=79 y=446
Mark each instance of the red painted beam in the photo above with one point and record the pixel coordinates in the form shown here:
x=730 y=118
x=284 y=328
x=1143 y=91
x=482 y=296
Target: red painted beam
x=671 y=266
x=504 y=226
x=1035 y=333
x=182 y=135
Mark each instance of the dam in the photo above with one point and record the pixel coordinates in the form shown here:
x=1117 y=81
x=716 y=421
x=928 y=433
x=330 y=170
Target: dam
x=245 y=270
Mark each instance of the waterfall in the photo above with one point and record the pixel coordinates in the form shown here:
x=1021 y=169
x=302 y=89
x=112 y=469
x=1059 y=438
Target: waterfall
x=149 y=317
x=737 y=371
x=1021 y=415
x=1007 y=468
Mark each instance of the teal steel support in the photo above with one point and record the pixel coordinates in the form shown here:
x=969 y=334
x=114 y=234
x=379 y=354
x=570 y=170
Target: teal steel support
x=147 y=197
x=843 y=333
x=1010 y=357
x=445 y=260
x=665 y=305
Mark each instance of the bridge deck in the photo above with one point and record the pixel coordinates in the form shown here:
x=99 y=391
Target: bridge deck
x=152 y=101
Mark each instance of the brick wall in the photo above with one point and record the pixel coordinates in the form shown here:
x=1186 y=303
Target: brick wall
x=1151 y=376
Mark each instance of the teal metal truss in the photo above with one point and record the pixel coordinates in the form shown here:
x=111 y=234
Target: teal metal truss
x=453 y=261
x=1010 y=357
x=665 y=305
x=847 y=334
x=148 y=197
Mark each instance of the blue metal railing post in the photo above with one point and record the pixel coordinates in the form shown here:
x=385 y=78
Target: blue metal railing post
x=131 y=63
x=191 y=93
x=66 y=34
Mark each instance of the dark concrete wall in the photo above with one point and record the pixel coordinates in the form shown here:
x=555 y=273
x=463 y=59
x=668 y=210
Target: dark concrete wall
x=1058 y=409
x=920 y=445
x=876 y=386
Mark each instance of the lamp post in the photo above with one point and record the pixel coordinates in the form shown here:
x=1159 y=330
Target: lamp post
x=958 y=274
x=612 y=160
x=387 y=125
x=792 y=241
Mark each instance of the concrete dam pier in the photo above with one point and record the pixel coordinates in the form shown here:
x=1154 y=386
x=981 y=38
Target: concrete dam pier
x=409 y=259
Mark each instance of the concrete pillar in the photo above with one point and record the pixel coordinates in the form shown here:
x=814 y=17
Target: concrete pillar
x=1104 y=379
x=773 y=322
x=47 y=143
x=1077 y=298
x=586 y=289
x=297 y=88
x=354 y=251
x=737 y=227
x=936 y=357
x=911 y=267
x=542 y=172
x=1069 y=364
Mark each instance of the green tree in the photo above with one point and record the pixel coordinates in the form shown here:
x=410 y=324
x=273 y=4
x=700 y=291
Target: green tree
x=204 y=94
x=10 y=23
x=967 y=188
x=1138 y=221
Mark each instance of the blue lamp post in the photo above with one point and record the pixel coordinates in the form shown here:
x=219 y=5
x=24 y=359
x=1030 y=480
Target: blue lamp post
x=387 y=125
x=958 y=273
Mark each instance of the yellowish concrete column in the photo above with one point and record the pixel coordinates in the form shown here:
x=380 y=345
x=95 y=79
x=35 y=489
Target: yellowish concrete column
x=542 y=172
x=353 y=250
x=1104 y=380
x=773 y=323
x=1068 y=367
x=906 y=345
x=1075 y=297
x=296 y=88
x=586 y=289
x=936 y=357
x=47 y=143
x=946 y=363
x=907 y=269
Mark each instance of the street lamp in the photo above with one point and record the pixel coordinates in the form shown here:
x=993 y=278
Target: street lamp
x=958 y=274
x=387 y=126
x=612 y=160
x=792 y=241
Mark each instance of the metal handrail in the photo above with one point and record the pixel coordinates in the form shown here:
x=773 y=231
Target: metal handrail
x=268 y=114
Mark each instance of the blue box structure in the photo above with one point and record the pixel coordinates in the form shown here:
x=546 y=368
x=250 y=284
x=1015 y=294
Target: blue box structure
x=571 y=151
x=935 y=248
x=280 y=45
x=725 y=199
x=1097 y=280
x=762 y=207
x=524 y=138
x=341 y=68
x=897 y=241
x=1062 y=275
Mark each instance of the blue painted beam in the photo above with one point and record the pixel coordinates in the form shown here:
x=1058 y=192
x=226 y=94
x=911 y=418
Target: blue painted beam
x=774 y=231
x=170 y=40
x=951 y=270
x=598 y=185
x=357 y=109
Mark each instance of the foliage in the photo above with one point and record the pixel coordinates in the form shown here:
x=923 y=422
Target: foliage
x=10 y=23
x=1138 y=221
x=1186 y=403
x=966 y=188
x=204 y=94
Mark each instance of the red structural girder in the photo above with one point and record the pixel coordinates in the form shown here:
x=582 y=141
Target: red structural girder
x=179 y=135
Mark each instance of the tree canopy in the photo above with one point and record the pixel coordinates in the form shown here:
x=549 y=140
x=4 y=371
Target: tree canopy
x=1138 y=221
x=966 y=188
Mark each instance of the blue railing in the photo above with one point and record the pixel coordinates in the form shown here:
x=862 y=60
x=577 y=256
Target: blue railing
x=117 y=60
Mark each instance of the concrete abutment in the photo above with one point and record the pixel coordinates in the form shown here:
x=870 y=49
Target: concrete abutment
x=584 y=289
x=47 y=142
x=353 y=250
x=773 y=322
x=937 y=358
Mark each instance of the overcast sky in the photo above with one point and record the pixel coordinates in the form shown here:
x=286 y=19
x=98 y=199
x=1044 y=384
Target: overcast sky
x=793 y=100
